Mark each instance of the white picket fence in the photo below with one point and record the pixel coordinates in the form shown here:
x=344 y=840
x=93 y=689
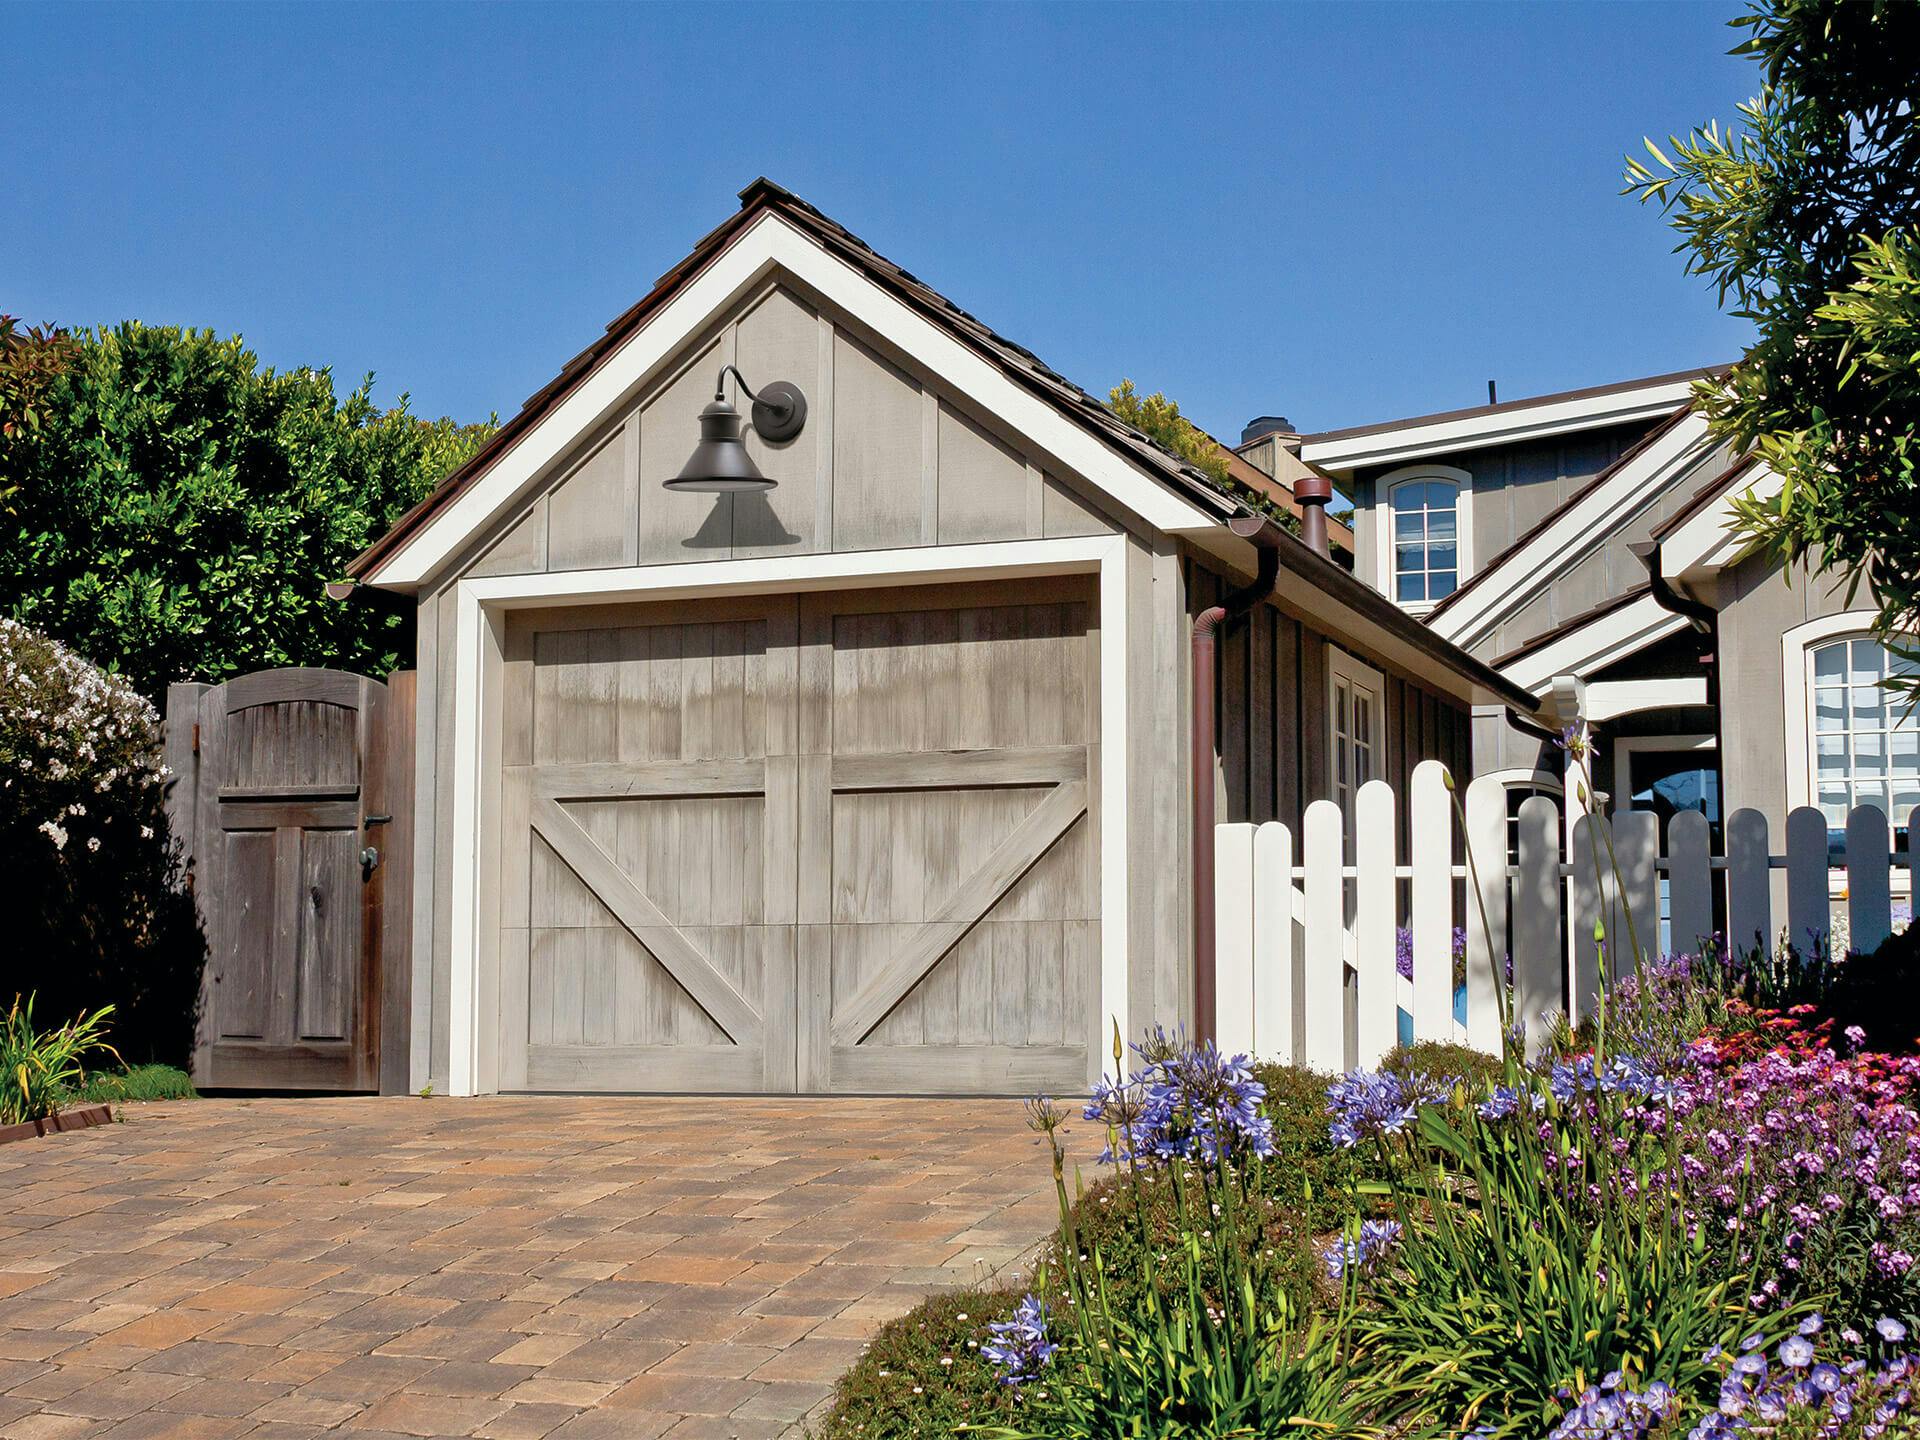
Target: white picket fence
x=1306 y=926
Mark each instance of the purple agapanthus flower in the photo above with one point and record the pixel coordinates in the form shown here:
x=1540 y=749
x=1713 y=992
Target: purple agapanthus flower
x=1020 y=1347
x=1362 y=1250
x=1185 y=1101
x=1376 y=1102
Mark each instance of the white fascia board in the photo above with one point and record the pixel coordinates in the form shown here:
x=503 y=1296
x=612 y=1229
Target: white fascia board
x=1595 y=645
x=1417 y=440
x=1707 y=541
x=770 y=244
x=786 y=574
x=1610 y=699
x=1575 y=533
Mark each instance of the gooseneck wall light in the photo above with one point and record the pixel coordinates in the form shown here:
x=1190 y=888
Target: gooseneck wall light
x=720 y=463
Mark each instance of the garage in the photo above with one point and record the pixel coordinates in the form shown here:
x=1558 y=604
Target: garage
x=836 y=841
x=808 y=700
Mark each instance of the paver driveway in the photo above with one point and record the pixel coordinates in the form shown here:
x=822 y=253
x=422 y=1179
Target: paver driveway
x=505 y=1268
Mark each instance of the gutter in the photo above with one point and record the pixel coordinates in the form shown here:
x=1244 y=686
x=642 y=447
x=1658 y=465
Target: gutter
x=1265 y=536
x=1704 y=618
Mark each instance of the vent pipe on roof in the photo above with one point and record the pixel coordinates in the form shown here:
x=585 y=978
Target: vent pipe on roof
x=1313 y=491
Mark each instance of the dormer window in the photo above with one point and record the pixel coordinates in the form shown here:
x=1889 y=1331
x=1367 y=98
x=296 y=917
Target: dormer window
x=1426 y=527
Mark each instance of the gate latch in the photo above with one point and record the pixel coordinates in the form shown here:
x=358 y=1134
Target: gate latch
x=370 y=855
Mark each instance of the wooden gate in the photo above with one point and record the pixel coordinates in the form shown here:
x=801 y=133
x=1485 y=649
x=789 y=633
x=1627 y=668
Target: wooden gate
x=293 y=798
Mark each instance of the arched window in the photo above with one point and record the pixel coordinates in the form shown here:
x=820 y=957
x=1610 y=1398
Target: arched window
x=1424 y=534
x=1866 y=738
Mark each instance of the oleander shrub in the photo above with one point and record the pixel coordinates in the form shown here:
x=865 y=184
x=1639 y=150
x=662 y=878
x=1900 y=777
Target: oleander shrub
x=96 y=912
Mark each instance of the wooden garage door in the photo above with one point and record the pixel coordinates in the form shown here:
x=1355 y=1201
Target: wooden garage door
x=822 y=842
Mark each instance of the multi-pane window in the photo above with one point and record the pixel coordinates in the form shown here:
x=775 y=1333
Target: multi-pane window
x=1355 y=737
x=1426 y=542
x=1866 y=737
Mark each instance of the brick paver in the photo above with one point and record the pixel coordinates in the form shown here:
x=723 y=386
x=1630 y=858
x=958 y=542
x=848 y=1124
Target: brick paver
x=511 y=1269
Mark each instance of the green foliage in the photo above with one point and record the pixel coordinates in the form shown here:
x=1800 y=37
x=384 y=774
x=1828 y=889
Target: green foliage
x=38 y=1067
x=922 y=1375
x=137 y=1083
x=1807 y=220
x=181 y=508
x=1879 y=993
x=1304 y=1189
x=1159 y=418
x=1215 y=1348
x=1308 y=1180
x=30 y=360
x=1437 y=1058
x=1543 y=1256
x=92 y=878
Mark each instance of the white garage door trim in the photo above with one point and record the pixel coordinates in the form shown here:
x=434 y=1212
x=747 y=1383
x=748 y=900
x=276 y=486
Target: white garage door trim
x=481 y=604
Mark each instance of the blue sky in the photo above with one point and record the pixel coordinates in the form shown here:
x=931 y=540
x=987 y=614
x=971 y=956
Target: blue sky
x=1341 y=213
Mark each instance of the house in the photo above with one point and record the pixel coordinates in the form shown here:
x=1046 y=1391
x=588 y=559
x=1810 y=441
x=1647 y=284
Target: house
x=879 y=779
x=1579 y=543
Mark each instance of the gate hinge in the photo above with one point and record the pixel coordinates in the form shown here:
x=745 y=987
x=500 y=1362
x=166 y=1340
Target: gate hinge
x=196 y=737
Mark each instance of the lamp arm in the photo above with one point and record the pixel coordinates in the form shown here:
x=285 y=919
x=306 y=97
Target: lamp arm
x=720 y=389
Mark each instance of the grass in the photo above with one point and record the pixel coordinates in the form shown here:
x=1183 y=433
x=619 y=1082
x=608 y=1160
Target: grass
x=138 y=1082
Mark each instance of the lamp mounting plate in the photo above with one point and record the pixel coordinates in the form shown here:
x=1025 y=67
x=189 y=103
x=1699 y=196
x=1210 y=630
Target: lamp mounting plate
x=779 y=410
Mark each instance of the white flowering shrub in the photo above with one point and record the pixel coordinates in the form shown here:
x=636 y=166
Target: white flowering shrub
x=96 y=912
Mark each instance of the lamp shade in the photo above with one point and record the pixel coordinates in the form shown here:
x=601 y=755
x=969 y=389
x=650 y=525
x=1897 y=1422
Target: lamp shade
x=719 y=463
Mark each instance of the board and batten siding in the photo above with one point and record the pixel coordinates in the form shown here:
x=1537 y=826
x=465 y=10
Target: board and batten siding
x=1275 y=750
x=884 y=461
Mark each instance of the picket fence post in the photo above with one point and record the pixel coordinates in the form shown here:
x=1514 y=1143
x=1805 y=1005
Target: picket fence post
x=1749 y=882
x=1869 y=886
x=1273 y=963
x=1373 y=916
x=1539 y=956
x=1431 y=919
x=1690 y=879
x=1809 y=920
x=1489 y=941
x=1325 y=989
x=1233 y=952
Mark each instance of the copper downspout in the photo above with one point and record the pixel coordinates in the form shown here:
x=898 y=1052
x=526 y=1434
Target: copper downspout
x=1206 y=626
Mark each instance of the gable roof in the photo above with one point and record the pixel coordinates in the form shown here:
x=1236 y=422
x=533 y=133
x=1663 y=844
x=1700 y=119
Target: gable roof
x=1574 y=528
x=1397 y=442
x=1192 y=486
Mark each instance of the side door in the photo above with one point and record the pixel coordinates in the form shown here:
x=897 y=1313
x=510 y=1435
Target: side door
x=292 y=795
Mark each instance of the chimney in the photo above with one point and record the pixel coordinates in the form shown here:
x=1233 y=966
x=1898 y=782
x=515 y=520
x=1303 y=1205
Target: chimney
x=1262 y=425
x=1313 y=490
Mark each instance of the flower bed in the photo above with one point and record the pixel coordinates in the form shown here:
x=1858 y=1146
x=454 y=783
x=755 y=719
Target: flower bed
x=1696 y=1218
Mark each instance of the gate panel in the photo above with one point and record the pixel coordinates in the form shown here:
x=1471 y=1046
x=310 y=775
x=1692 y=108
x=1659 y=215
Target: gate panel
x=288 y=788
